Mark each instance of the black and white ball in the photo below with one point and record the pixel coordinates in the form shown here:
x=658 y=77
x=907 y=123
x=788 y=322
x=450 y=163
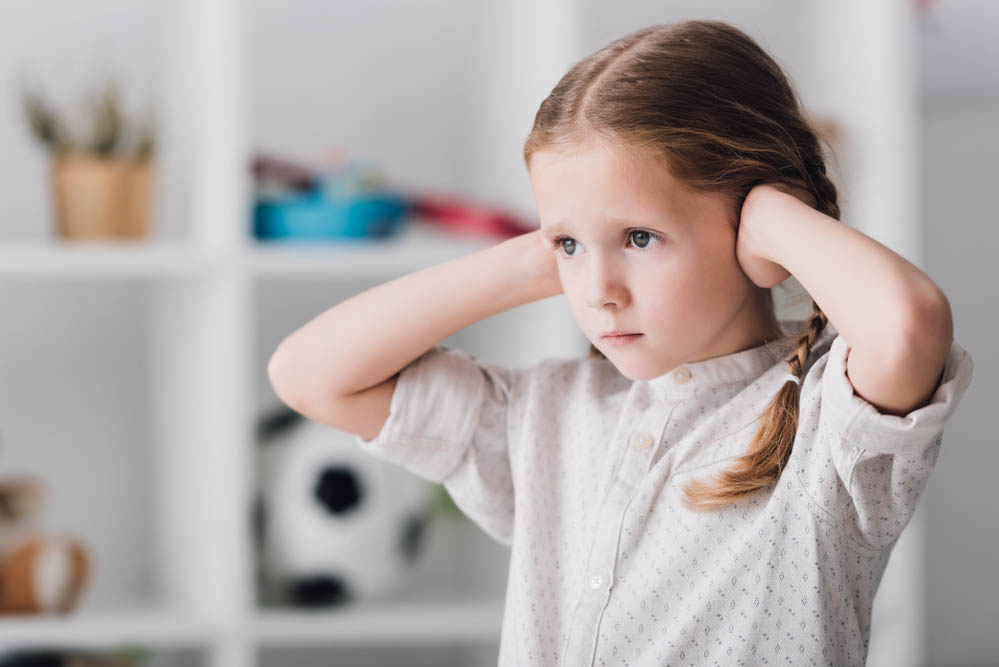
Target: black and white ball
x=334 y=525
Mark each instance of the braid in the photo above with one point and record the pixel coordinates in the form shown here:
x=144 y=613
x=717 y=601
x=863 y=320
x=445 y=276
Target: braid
x=770 y=449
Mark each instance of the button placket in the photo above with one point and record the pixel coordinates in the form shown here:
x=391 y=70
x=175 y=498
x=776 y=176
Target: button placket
x=631 y=468
x=597 y=584
x=638 y=457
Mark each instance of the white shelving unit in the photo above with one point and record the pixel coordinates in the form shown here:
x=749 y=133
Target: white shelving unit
x=211 y=307
x=200 y=306
x=209 y=313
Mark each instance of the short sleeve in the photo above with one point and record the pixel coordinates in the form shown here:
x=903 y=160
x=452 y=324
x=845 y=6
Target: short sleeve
x=448 y=423
x=884 y=461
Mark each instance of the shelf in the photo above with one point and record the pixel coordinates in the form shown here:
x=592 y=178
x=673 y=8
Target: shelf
x=404 y=622
x=416 y=246
x=399 y=622
x=146 y=626
x=100 y=259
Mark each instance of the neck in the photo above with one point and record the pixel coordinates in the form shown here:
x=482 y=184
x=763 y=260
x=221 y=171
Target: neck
x=754 y=325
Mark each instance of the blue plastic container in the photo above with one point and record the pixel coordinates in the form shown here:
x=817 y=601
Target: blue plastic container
x=311 y=217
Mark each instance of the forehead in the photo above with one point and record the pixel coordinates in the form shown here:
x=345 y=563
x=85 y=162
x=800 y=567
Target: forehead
x=606 y=185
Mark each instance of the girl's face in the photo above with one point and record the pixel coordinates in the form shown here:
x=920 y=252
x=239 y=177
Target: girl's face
x=638 y=252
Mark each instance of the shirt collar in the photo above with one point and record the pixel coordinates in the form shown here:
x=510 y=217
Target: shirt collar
x=691 y=378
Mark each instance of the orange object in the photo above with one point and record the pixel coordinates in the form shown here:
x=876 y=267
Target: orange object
x=43 y=574
x=101 y=197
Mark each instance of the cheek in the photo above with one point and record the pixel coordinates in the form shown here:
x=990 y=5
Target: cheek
x=674 y=303
x=689 y=291
x=572 y=289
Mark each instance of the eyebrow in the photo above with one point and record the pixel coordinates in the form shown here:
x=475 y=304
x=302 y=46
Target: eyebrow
x=561 y=226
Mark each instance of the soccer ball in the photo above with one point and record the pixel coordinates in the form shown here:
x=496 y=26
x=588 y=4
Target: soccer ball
x=333 y=524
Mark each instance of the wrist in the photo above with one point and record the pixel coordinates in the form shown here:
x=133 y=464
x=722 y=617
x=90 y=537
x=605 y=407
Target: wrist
x=529 y=262
x=767 y=207
x=757 y=209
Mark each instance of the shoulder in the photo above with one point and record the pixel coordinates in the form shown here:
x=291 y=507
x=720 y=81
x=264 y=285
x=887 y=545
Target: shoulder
x=573 y=377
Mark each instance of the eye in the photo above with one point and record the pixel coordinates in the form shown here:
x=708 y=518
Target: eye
x=640 y=235
x=557 y=243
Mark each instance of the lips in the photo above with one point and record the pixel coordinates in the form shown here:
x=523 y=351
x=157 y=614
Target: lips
x=607 y=334
x=623 y=339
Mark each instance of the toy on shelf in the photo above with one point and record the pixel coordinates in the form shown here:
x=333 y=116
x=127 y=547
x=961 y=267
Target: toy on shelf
x=297 y=204
x=333 y=525
x=459 y=216
x=39 y=572
x=351 y=200
x=102 y=184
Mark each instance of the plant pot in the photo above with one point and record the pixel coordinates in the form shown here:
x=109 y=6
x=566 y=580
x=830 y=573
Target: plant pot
x=100 y=198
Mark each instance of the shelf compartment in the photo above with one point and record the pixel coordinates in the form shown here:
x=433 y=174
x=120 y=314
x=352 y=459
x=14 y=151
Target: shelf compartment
x=146 y=626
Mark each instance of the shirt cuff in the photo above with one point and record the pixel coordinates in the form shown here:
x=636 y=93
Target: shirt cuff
x=862 y=425
x=433 y=413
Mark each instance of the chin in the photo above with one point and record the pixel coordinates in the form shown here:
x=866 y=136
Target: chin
x=634 y=374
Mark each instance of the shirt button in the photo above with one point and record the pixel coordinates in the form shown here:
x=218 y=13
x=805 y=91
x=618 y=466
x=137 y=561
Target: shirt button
x=681 y=374
x=642 y=440
x=596 y=580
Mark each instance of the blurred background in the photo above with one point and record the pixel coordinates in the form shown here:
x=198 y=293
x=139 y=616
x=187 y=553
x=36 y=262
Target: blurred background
x=185 y=183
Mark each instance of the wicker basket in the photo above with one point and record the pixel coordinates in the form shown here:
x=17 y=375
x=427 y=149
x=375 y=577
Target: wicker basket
x=101 y=197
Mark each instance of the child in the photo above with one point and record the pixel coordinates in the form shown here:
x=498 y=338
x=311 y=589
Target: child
x=718 y=486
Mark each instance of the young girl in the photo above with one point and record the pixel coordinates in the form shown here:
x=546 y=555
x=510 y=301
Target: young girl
x=710 y=486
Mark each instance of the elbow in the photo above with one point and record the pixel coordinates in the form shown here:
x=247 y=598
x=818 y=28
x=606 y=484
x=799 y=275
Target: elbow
x=930 y=319
x=290 y=380
x=280 y=375
x=930 y=328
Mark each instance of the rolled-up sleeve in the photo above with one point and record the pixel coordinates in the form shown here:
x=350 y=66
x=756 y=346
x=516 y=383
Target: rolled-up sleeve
x=448 y=423
x=884 y=461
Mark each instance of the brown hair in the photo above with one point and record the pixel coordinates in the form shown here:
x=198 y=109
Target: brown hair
x=704 y=97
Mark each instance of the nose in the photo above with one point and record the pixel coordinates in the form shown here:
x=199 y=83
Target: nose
x=603 y=284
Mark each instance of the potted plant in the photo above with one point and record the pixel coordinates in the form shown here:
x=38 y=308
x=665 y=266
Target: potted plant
x=101 y=184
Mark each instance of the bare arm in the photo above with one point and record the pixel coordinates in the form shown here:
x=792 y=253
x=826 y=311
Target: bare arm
x=364 y=341
x=896 y=320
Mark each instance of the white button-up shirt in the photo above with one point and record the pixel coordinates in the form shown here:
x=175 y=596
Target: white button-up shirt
x=580 y=471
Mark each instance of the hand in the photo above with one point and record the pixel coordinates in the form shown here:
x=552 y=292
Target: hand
x=749 y=248
x=541 y=266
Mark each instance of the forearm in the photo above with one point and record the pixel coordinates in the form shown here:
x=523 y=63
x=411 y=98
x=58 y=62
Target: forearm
x=369 y=337
x=869 y=293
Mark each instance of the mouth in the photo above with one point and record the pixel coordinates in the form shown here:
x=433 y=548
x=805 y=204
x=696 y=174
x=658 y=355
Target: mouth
x=620 y=339
x=616 y=333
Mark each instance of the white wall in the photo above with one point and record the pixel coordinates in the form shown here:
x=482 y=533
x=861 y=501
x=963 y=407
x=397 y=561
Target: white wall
x=960 y=143
x=961 y=150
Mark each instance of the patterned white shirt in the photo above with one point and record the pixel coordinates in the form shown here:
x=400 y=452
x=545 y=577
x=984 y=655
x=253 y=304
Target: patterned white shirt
x=580 y=471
